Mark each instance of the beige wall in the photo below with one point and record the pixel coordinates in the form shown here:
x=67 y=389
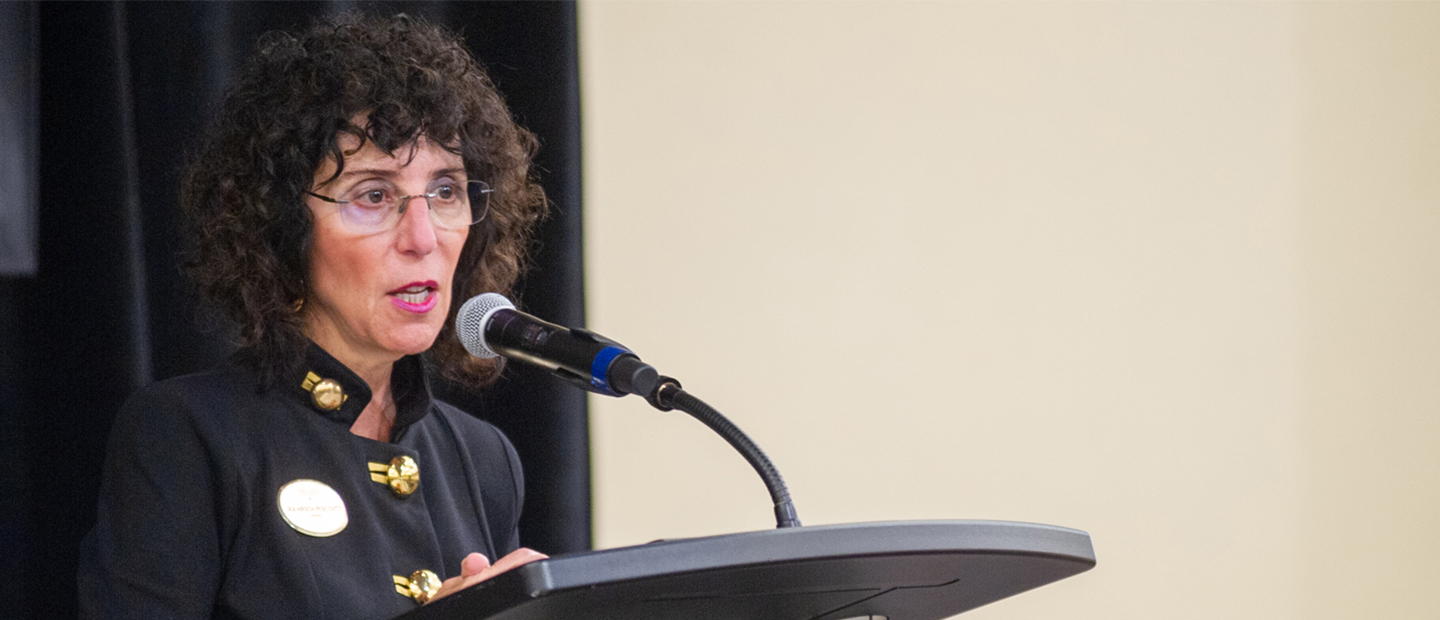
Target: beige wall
x=1167 y=273
x=1370 y=247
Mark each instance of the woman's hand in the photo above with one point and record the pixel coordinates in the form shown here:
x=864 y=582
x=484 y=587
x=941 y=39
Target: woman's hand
x=476 y=568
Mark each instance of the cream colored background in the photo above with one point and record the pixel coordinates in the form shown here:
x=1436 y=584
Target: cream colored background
x=1167 y=273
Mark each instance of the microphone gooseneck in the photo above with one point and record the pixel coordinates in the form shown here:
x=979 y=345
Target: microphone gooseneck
x=489 y=326
x=680 y=399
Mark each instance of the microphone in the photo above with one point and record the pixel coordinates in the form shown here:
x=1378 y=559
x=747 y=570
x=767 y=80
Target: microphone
x=489 y=326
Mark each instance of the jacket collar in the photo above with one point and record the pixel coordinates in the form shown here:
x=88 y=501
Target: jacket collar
x=408 y=384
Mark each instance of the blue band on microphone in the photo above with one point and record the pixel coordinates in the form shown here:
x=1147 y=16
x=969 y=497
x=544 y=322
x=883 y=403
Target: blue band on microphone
x=600 y=365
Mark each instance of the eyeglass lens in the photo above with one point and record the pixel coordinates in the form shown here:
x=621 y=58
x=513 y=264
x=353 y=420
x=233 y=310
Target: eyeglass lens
x=376 y=208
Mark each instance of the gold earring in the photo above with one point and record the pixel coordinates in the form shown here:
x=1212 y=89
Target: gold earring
x=299 y=303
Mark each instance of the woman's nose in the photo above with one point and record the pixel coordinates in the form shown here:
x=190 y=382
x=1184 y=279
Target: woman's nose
x=415 y=232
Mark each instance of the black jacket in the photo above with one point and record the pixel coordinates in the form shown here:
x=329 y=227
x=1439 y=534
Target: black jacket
x=189 y=525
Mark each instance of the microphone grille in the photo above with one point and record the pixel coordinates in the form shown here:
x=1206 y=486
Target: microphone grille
x=470 y=322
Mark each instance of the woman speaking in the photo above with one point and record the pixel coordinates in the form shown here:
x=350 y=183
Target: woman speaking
x=361 y=181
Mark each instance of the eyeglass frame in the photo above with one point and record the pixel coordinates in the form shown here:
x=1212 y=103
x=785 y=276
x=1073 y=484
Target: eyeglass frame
x=403 y=203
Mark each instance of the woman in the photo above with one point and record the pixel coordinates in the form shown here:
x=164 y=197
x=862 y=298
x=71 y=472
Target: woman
x=360 y=182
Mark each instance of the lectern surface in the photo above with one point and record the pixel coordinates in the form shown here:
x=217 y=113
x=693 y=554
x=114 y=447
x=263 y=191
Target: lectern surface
x=910 y=570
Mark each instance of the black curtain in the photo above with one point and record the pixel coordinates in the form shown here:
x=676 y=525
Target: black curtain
x=123 y=88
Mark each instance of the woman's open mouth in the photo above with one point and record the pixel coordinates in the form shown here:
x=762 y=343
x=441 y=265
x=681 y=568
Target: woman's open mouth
x=416 y=297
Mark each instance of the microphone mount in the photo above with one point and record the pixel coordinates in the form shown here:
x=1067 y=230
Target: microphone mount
x=489 y=325
x=668 y=395
x=629 y=375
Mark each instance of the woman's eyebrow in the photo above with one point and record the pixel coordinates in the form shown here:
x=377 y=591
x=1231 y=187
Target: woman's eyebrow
x=386 y=173
x=355 y=172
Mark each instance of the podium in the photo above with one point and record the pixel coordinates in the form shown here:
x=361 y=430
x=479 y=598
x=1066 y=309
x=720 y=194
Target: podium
x=905 y=570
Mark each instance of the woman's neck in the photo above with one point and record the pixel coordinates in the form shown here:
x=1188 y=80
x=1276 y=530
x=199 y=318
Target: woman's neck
x=378 y=417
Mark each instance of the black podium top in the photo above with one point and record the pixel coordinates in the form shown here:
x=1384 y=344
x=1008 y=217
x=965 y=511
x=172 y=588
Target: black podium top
x=906 y=570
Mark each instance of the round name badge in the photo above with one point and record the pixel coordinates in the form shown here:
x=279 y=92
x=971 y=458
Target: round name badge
x=312 y=508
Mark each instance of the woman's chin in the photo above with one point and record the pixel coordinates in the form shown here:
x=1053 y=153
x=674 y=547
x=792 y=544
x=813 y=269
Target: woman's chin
x=412 y=340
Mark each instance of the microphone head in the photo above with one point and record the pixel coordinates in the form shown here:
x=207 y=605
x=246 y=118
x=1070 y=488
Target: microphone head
x=470 y=322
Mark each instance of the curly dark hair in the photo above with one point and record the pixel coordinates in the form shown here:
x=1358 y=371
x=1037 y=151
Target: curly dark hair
x=243 y=192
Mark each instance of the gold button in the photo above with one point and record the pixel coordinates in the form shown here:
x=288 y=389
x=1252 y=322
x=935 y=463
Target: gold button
x=403 y=475
x=424 y=585
x=328 y=394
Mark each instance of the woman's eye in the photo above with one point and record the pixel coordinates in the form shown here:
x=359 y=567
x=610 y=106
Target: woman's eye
x=373 y=197
x=370 y=197
x=445 y=192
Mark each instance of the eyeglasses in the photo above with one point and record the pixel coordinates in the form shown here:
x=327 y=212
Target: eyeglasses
x=376 y=206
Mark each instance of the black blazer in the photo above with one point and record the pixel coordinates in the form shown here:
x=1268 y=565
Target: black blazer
x=189 y=525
